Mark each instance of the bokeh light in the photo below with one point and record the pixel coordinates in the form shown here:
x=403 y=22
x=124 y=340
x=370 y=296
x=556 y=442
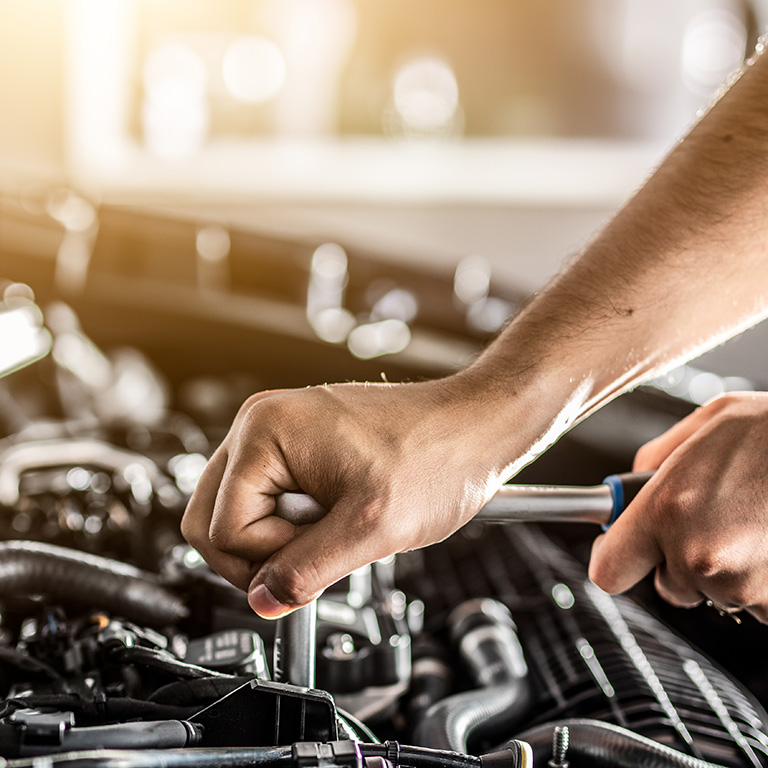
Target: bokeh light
x=704 y=386
x=472 y=279
x=489 y=315
x=397 y=304
x=325 y=294
x=253 y=69
x=333 y=324
x=713 y=46
x=426 y=95
x=213 y=243
x=175 y=114
x=386 y=337
x=73 y=212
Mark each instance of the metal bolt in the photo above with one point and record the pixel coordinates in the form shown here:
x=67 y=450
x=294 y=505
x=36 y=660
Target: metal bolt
x=560 y=739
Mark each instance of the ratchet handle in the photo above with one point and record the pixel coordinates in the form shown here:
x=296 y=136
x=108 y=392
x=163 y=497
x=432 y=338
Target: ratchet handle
x=601 y=504
x=624 y=488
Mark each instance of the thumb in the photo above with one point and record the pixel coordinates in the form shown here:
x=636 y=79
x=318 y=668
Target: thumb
x=317 y=557
x=627 y=552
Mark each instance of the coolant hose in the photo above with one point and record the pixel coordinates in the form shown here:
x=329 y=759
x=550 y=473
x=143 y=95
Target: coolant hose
x=452 y=722
x=603 y=745
x=72 y=577
x=488 y=642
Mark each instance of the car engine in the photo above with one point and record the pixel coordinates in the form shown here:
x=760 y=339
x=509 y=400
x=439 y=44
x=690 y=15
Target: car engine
x=120 y=648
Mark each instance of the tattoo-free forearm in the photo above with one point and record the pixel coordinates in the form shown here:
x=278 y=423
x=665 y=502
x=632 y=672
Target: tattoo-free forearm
x=682 y=267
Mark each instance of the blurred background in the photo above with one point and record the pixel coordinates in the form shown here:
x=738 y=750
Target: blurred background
x=204 y=198
x=265 y=193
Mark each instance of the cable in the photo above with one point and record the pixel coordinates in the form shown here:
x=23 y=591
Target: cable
x=242 y=757
x=604 y=745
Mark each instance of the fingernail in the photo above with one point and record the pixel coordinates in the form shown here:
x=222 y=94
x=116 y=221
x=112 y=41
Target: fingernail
x=263 y=602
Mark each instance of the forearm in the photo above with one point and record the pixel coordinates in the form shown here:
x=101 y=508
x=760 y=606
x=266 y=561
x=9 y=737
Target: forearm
x=682 y=267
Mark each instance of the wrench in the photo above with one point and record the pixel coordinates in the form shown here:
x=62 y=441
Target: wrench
x=296 y=633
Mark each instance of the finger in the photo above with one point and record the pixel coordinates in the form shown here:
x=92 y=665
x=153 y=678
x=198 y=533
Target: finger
x=736 y=592
x=195 y=525
x=242 y=522
x=653 y=453
x=317 y=557
x=673 y=587
x=197 y=517
x=628 y=552
x=257 y=540
x=196 y=521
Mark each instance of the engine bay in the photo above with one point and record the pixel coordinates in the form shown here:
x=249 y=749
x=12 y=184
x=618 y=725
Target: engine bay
x=120 y=647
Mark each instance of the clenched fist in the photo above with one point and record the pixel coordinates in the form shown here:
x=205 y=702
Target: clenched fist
x=397 y=467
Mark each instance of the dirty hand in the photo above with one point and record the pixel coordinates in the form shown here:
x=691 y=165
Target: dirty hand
x=397 y=467
x=702 y=520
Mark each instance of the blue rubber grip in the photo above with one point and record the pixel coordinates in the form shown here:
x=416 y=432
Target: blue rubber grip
x=617 y=491
x=624 y=488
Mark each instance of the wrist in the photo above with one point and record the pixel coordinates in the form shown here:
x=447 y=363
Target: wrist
x=526 y=392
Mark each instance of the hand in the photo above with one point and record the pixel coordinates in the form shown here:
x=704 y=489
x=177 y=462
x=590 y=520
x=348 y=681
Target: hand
x=396 y=466
x=702 y=520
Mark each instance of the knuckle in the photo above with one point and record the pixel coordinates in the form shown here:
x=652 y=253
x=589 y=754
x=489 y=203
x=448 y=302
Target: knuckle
x=718 y=558
x=672 y=511
x=293 y=584
x=701 y=562
x=220 y=537
x=677 y=504
x=257 y=411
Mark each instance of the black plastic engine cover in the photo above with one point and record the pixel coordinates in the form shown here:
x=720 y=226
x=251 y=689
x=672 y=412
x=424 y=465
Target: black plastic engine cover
x=260 y=714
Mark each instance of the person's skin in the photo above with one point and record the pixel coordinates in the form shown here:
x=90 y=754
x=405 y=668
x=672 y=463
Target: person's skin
x=711 y=486
x=681 y=267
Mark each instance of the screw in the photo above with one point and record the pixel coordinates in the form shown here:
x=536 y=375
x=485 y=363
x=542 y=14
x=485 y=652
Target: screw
x=560 y=738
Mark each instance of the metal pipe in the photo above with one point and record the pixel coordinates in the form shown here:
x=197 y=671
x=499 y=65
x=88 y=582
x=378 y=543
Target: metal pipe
x=512 y=503
x=296 y=647
x=550 y=504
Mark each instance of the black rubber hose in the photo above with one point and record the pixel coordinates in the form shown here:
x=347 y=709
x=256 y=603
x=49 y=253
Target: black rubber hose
x=70 y=577
x=95 y=712
x=452 y=722
x=431 y=676
x=603 y=745
x=487 y=638
x=158 y=734
x=29 y=664
x=242 y=757
x=164 y=662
